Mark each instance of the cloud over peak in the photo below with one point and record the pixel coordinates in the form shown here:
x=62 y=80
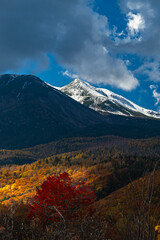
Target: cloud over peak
x=71 y=31
x=80 y=39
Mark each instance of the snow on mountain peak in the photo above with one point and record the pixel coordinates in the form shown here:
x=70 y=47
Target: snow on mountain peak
x=104 y=101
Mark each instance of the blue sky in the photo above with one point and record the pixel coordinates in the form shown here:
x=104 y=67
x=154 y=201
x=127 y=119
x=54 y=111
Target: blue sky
x=111 y=44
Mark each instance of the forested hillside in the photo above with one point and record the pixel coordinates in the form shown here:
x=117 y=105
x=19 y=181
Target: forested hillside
x=107 y=165
x=141 y=147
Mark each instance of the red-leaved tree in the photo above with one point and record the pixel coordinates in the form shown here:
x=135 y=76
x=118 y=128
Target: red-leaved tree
x=58 y=199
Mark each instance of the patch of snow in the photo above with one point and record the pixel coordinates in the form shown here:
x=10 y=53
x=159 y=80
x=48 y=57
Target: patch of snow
x=11 y=78
x=128 y=104
x=18 y=95
x=24 y=85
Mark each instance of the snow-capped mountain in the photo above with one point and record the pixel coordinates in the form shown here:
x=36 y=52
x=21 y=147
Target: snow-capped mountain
x=33 y=112
x=104 y=101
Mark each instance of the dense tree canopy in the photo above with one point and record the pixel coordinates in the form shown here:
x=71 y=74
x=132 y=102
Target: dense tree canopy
x=58 y=199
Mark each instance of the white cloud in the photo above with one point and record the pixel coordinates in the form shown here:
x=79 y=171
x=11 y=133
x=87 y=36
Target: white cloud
x=143 y=18
x=151 y=70
x=134 y=5
x=156 y=95
x=69 y=74
x=135 y=23
x=127 y=62
x=153 y=87
x=80 y=39
x=98 y=67
x=71 y=31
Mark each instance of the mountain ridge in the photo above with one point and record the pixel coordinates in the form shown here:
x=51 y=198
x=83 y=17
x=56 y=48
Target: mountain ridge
x=32 y=112
x=105 y=101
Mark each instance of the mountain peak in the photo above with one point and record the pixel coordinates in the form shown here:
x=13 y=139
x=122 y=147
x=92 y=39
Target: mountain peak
x=81 y=83
x=105 y=101
x=77 y=80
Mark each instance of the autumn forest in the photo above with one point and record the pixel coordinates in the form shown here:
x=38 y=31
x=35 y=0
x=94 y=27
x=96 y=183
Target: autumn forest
x=103 y=188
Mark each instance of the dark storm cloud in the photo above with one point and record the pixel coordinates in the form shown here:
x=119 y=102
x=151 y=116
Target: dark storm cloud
x=68 y=29
x=32 y=28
